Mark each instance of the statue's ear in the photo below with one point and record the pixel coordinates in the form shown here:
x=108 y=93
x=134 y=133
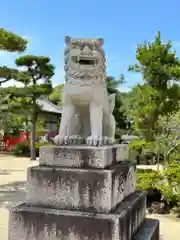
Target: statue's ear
x=67 y=39
x=101 y=41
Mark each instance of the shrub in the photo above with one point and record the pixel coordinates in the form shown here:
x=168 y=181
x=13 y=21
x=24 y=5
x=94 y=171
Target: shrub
x=147 y=178
x=21 y=148
x=175 y=157
x=167 y=183
x=172 y=172
x=176 y=210
x=168 y=193
x=171 y=189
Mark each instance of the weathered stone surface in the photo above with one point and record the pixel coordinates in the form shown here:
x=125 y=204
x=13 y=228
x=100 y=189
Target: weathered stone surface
x=81 y=189
x=36 y=223
x=88 y=108
x=83 y=156
x=149 y=230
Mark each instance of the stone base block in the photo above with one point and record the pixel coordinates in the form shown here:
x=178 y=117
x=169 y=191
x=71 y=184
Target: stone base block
x=36 y=223
x=83 y=156
x=81 y=189
x=149 y=230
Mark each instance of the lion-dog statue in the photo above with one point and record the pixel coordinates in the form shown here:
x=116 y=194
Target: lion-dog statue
x=87 y=108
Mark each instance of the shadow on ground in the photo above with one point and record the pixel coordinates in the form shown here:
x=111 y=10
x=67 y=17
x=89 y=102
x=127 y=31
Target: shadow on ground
x=13 y=193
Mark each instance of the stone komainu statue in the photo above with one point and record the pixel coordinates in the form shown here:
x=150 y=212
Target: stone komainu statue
x=87 y=113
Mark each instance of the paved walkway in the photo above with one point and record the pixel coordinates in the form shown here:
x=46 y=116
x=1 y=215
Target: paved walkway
x=13 y=190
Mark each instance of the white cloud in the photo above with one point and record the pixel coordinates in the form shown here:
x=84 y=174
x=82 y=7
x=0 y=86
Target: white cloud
x=55 y=85
x=12 y=83
x=124 y=88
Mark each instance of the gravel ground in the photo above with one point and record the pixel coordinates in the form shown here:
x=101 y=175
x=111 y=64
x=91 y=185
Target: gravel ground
x=13 y=190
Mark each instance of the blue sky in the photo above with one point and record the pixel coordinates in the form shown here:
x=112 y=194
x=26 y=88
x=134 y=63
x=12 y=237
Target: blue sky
x=122 y=24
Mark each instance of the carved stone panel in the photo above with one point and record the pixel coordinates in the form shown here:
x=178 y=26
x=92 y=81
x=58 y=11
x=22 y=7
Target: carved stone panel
x=83 y=156
x=83 y=189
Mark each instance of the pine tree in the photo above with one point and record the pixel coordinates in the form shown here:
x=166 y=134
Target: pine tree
x=159 y=95
x=36 y=78
x=9 y=42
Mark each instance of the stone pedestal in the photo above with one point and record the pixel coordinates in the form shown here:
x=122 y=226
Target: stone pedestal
x=83 y=156
x=80 y=189
x=88 y=195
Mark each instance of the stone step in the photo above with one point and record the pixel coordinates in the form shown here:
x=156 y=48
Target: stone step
x=30 y=222
x=82 y=189
x=149 y=230
x=83 y=156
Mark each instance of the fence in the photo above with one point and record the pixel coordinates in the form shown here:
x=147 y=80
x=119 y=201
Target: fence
x=4 y=146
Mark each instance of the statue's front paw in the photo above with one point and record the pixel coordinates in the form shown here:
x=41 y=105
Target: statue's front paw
x=108 y=140
x=60 y=140
x=94 y=140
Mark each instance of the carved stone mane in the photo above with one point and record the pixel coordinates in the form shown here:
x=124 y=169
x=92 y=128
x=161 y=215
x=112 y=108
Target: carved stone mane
x=90 y=74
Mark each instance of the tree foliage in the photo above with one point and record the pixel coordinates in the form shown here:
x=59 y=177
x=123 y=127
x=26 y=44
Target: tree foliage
x=166 y=142
x=113 y=83
x=11 y=42
x=157 y=63
x=112 y=87
x=160 y=93
x=144 y=111
x=36 y=78
x=56 y=95
x=7 y=74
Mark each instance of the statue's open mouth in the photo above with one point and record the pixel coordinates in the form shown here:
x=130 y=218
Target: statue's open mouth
x=84 y=61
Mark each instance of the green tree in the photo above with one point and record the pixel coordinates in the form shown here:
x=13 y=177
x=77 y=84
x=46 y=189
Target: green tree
x=113 y=83
x=4 y=110
x=112 y=87
x=14 y=124
x=166 y=142
x=12 y=43
x=7 y=74
x=36 y=77
x=11 y=106
x=169 y=136
x=143 y=111
x=160 y=93
x=55 y=96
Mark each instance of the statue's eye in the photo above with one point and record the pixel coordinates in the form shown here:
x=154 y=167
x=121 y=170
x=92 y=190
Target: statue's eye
x=74 y=45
